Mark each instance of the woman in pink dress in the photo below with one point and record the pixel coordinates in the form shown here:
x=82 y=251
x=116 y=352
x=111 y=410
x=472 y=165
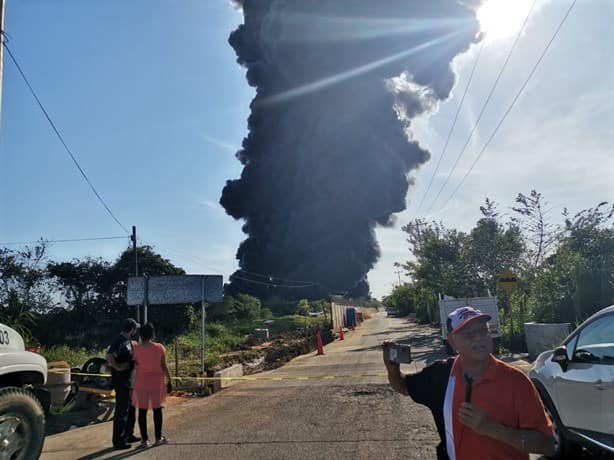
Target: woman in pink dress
x=149 y=389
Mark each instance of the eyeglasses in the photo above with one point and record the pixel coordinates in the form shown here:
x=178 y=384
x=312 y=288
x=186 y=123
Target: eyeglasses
x=474 y=334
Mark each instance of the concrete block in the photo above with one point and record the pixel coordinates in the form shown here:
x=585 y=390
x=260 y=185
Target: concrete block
x=235 y=370
x=261 y=333
x=544 y=336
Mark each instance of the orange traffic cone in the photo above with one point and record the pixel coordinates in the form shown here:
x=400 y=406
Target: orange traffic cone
x=353 y=326
x=320 y=346
x=340 y=332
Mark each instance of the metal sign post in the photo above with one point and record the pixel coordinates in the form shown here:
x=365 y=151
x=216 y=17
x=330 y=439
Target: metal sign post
x=202 y=331
x=145 y=297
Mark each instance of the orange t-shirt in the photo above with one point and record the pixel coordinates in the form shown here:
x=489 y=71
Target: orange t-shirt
x=509 y=398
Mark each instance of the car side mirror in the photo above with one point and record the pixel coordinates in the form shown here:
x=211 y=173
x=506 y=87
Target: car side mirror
x=559 y=355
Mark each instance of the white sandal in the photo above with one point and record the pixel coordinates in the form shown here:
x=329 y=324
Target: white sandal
x=161 y=441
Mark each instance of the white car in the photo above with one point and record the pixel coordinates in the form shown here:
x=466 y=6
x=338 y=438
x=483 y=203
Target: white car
x=576 y=383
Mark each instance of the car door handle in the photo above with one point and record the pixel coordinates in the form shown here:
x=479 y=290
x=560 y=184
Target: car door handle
x=601 y=385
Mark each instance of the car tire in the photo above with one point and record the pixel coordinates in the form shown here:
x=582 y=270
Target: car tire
x=22 y=424
x=564 y=448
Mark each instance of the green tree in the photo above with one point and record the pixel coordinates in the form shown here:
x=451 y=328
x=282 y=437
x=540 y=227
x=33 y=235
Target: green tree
x=238 y=307
x=491 y=248
x=302 y=307
x=402 y=299
x=438 y=262
x=247 y=307
x=576 y=280
x=94 y=293
x=25 y=291
x=540 y=234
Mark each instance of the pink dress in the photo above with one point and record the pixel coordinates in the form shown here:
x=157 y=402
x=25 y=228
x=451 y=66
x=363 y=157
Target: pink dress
x=149 y=389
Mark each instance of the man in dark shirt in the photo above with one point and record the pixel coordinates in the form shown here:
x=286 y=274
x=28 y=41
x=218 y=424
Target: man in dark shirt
x=119 y=357
x=483 y=408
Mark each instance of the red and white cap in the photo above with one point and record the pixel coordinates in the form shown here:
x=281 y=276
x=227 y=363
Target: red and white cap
x=462 y=316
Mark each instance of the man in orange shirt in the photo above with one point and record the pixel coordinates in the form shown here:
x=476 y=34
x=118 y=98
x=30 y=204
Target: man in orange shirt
x=483 y=408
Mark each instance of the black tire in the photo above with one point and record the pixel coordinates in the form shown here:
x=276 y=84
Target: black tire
x=95 y=366
x=564 y=448
x=22 y=424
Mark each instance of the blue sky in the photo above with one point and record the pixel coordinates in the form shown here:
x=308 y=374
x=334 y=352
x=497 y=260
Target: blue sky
x=150 y=99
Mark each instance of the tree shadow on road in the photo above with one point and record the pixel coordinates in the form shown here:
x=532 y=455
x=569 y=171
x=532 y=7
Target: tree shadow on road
x=108 y=450
x=425 y=348
x=77 y=414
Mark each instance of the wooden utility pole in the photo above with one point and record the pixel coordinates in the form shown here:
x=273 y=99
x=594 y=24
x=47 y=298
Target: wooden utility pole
x=136 y=266
x=1 y=53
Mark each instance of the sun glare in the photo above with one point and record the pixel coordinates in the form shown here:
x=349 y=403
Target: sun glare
x=502 y=18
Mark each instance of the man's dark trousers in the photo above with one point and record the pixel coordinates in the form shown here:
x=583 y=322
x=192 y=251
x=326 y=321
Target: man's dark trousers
x=124 y=416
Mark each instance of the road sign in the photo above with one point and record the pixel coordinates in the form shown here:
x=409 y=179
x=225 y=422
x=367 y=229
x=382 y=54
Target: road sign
x=168 y=290
x=507 y=281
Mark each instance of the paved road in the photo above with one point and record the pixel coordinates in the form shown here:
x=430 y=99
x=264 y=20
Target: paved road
x=342 y=418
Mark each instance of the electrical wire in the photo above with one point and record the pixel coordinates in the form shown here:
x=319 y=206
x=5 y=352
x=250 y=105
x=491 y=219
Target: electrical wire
x=522 y=87
x=57 y=133
x=70 y=240
x=275 y=285
x=185 y=256
x=270 y=277
x=460 y=105
x=282 y=281
x=484 y=105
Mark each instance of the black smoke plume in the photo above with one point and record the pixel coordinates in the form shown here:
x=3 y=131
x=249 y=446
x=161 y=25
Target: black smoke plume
x=329 y=147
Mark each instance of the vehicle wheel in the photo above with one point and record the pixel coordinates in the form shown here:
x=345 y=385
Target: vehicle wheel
x=564 y=448
x=96 y=365
x=22 y=424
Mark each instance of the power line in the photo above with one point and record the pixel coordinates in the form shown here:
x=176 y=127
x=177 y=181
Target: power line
x=522 y=87
x=57 y=133
x=484 y=105
x=270 y=277
x=274 y=284
x=64 y=240
x=183 y=255
x=460 y=105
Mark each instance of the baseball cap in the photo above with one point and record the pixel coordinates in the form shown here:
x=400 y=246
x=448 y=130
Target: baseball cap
x=129 y=324
x=462 y=316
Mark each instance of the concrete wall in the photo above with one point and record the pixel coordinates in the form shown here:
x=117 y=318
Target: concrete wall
x=235 y=370
x=338 y=312
x=261 y=333
x=542 y=336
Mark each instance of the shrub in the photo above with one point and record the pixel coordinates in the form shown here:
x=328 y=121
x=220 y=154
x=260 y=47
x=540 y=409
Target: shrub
x=76 y=357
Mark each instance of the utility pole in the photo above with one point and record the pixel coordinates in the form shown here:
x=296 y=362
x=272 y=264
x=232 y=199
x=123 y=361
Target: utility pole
x=398 y=272
x=1 y=51
x=133 y=238
x=136 y=266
